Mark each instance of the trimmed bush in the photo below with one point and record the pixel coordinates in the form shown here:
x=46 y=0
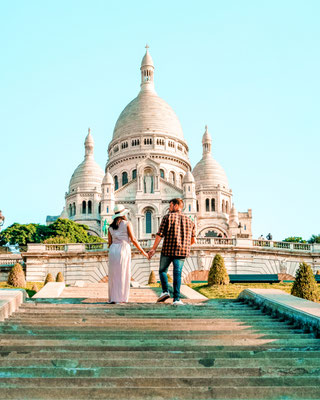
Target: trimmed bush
x=59 y=277
x=170 y=280
x=305 y=285
x=218 y=274
x=16 y=276
x=49 y=278
x=35 y=288
x=152 y=278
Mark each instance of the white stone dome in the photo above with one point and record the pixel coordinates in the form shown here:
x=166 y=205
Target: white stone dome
x=107 y=179
x=208 y=173
x=147 y=114
x=88 y=175
x=188 y=178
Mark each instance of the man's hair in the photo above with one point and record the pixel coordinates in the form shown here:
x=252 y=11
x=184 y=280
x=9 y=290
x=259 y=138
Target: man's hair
x=177 y=201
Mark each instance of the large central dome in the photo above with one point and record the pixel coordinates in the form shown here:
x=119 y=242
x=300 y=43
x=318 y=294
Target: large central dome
x=147 y=113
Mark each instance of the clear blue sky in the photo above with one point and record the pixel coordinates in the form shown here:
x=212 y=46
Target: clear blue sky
x=248 y=69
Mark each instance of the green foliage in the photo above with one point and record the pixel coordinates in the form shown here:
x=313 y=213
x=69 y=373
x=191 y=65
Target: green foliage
x=305 y=285
x=218 y=273
x=61 y=231
x=49 y=278
x=294 y=239
x=152 y=278
x=59 y=277
x=170 y=280
x=314 y=239
x=16 y=276
x=23 y=234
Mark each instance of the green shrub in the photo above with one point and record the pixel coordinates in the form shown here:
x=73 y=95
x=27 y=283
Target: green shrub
x=49 y=278
x=305 y=285
x=59 y=277
x=218 y=273
x=35 y=288
x=170 y=280
x=16 y=276
x=152 y=278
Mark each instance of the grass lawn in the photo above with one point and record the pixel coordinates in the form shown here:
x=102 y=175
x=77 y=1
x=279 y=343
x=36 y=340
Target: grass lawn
x=4 y=285
x=232 y=290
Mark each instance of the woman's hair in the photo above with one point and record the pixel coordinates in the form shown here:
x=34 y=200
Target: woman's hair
x=116 y=222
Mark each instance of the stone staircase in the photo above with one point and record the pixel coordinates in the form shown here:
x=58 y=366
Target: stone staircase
x=222 y=349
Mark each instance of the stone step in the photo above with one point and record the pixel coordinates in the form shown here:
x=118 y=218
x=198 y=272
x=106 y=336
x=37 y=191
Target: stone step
x=159 y=393
x=82 y=362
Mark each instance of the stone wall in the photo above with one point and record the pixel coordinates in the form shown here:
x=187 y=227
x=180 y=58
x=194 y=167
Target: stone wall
x=90 y=262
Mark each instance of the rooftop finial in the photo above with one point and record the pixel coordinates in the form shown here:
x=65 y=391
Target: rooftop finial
x=89 y=130
x=206 y=128
x=147 y=46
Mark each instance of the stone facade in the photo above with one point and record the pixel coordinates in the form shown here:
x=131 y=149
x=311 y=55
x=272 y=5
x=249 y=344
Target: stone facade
x=148 y=164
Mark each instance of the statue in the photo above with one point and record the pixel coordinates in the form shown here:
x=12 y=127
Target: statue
x=148 y=183
x=2 y=218
x=105 y=228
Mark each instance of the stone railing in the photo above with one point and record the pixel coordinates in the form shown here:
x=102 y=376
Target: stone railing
x=200 y=243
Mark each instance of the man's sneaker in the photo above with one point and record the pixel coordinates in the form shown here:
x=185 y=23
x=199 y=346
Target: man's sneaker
x=163 y=297
x=178 y=303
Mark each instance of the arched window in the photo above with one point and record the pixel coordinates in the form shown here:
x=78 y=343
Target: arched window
x=223 y=206
x=189 y=207
x=84 y=207
x=124 y=178
x=207 y=205
x=172 y=177
x=162 y=173
x=74 y=209
x=180 y=180
x=107 y=210
x=89 y=207
x=197 y=206
x=148 y=216
x=134 y=174
x=99 y=208
x=227 y=207
x=116 y=183
x=70 y=210
x=213 y=205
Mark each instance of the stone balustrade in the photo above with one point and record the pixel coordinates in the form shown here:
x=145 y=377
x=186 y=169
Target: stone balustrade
x=201 y=242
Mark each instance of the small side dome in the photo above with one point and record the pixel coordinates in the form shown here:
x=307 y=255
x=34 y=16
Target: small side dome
x=107 y=179
x=188 y=178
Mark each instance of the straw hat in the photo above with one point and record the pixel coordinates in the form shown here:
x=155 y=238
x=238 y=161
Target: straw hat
x=119 y=211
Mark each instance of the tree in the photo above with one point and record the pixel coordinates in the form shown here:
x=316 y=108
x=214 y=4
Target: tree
x=294 y=239
x=49 y=278
x=218 y=274
x=16 y=276
x=305 y=285
x=314 y=239
x=59 y=277
x=152 y=278
x=65 y=230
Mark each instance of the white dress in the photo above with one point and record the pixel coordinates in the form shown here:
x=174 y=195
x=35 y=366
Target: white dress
x=119 y=264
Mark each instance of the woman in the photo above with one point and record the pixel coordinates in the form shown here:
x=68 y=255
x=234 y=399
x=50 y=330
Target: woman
x=119 y=236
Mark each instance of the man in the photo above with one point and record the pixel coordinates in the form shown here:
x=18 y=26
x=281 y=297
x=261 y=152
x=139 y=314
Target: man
x=179 y=234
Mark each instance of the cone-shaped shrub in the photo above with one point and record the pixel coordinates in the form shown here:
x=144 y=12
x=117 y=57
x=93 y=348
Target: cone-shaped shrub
x=305 y=285
x=59 y=277
x=35 y=288
x=16 y=276
x=49 y=278
x=218 y=274
x=152 y=278
x=170 y=280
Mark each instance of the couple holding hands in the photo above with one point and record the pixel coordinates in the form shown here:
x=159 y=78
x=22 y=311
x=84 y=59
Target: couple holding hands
x=178 y=232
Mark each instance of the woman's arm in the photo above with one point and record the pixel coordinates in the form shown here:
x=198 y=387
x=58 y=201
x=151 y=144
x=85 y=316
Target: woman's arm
x=134 y=240
x=109 y=239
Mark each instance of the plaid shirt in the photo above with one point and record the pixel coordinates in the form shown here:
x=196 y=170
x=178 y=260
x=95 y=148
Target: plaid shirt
x=177 y=230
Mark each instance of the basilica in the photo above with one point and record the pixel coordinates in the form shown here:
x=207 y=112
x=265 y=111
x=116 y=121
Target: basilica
x=148 y=164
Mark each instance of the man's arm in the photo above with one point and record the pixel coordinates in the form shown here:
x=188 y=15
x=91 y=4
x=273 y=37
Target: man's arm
x=154 y=247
